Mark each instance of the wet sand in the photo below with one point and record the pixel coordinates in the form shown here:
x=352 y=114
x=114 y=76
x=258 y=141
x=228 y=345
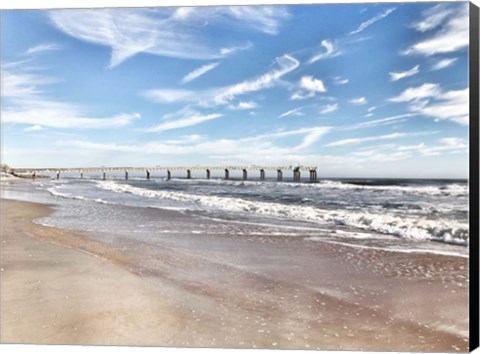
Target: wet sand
x=224 y=291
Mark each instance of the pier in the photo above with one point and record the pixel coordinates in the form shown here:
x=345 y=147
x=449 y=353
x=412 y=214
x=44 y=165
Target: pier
x=186 y=171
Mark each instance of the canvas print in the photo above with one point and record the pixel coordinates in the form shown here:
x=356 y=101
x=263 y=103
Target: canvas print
x=283 y=177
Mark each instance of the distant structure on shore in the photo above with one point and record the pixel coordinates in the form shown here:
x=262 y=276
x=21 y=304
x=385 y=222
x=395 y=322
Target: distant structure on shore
x=296 y=170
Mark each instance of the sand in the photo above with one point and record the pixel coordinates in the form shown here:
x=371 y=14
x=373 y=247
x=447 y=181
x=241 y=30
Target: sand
x=278 y=292
x=53 y=294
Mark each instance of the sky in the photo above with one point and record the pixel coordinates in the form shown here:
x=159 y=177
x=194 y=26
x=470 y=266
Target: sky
x=358 y=90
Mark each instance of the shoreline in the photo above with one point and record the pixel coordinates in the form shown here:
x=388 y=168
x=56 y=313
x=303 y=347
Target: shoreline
x=73 y=292
x=172 y=305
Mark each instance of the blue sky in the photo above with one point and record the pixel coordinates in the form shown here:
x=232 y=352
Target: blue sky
x=359 y=90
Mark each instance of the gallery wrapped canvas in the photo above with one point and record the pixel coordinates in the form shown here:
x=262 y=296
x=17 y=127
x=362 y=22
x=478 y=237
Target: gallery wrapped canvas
x=241 y=176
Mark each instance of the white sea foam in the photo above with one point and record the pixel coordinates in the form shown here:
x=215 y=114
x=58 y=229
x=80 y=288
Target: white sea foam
x=410 y=227
x=454 y=189
x=387 y=249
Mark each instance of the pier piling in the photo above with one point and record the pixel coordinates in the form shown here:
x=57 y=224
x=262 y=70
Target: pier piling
x=262 y=174
x=296 y=175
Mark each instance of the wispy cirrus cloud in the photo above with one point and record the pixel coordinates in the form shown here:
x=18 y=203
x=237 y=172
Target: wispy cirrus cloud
x=224 y=95
x=170 y=32
x=41 y=48
x=453 y=33
x=285 y=63
x=243 y=105
x=431 y=101
x=351 y=141
x=195 y=74
x=395 y=76
x=233 y=150
x=292 y=112
x=377 y=122
x=368 y=23
x=359 y=100
x=26 y=102
x=446 y=145
x=330 y=50
x=433 y=17
x=417 y=93
x=329 y=108
x=338 y=80
x=443 y=63
x=184 y=118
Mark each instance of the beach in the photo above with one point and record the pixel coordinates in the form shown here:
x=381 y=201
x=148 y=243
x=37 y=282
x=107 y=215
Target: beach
x=65 y=287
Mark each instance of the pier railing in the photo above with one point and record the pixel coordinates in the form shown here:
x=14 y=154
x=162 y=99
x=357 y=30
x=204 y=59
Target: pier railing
x=296 y=170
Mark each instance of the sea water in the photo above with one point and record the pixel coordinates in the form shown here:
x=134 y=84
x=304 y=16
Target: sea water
x=395 y=215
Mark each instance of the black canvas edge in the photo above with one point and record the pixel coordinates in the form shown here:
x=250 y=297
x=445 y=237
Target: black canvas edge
x=474 y=175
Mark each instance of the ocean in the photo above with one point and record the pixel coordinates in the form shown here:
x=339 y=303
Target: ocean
x=393 y=215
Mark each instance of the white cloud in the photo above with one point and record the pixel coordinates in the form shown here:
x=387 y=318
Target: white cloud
x=329 y=108
x=223 y=95
x=33 y=128
x=293 y=112
x=359 y=100
x=232 y=150
x=46 y=47
x=371 y=21
x=198 y=72
x=451 y=105
x=382 y=121
x=431 y=101
x=309 y=83
x=186 y=118
x=286 y=64
x=300 y=95
x=309 y=86
x=186 y=139
x=26 y=103
x=444 y=63
x=338 y=80
x=331 y=51
x=394 y=76
x=417 y=93
x=447 y=145
x=261 y=18
x=244 y=105
x=230 y=50
x=170 y=32
x=351 y=141
x=170 y=95
x=374 y=155
x=55 y=115
x=22 y=83
x=452 y=36
x=433 y=17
